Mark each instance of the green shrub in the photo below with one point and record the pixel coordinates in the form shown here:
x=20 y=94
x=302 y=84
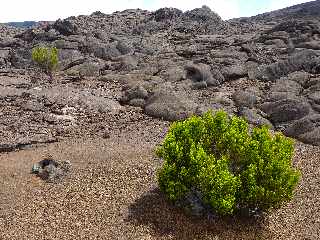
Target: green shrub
x=46 y=58
x=232 y=167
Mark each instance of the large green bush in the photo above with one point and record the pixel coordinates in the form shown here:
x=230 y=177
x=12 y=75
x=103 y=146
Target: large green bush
x=46 y=58
x=232 y=167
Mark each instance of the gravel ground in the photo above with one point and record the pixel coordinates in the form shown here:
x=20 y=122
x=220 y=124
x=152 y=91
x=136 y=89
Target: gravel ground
x=111 y=193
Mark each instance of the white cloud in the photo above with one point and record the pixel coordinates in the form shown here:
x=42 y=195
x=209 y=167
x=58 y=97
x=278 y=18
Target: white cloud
x=21 y=10
x=18 y=10
x=14 y=10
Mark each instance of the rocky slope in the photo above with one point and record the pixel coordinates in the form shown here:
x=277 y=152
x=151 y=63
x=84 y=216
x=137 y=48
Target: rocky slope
x=134 y=66
x=122 y=79
x=25 y=24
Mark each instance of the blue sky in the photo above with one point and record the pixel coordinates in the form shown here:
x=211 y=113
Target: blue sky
x=20 y=10
x=253 y=7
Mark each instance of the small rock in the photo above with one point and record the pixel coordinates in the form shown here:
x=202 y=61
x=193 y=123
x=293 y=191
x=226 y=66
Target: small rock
x=222 y=98
x=285 y=85
x=173 y=74
x=253 y=117
x=65 y=27
x=137 y=92
x=286 y=110
x=7 y=147
x=170 y=105
x=199 y=85
x=244 y=99
x=106 y=135
x=299 y=127
x=201 y=73
x=235 y=72
x=299 y=77
x=51 y=170
x=137 y=102
x=312 y=137
x=194 y=205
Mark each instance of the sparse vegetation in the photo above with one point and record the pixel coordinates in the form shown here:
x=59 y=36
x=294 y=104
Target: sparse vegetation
x=232 y=167
x=46 y=58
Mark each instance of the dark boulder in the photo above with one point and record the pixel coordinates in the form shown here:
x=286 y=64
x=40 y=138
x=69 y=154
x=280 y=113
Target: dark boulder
x=199 y=85
x=277 y=96
x=98 y=14
x=127 y=63
x=20 y=58
x=66 y=44
x=312 y=137
x=286 y=85
x=73 y=97
x=169 y=105
x=306 y=129
x=245 y=99
x=202 y=73
x=124 y=47
x=315 y=45
x=173 y=73
x=302 y=126
x=306 y=60
x=203 y=14
x=137 y=102
x=51 y=170
x=136 y=92
x=254 y=117
x=100 y=49
x=194 y=205
x=300 y=77
x=65 y=27
x=314 y=99
x=9 y=42
x=234 y=72
x=286 y=110
x=165 y=14
x=47 y=36
x=293 y=26
x=27 y=35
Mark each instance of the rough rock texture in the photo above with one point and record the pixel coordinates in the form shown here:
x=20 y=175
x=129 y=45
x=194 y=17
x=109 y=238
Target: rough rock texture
x=265 y=68
x=201 y=73
x=51 y=170
x=169 y=105
x=125 y=76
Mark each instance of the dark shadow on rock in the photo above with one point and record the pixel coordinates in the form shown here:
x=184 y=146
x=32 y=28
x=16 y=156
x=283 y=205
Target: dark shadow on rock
x=167 y=221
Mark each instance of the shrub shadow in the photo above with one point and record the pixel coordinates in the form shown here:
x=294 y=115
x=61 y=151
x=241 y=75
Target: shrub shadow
x=167 y=221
